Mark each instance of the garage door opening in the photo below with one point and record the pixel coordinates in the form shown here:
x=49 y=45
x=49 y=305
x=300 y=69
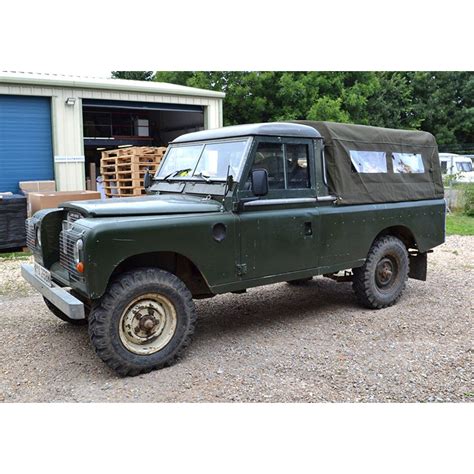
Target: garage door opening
x=110 y=125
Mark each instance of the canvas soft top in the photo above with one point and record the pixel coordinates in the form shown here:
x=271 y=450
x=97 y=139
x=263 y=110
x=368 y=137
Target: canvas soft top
x=399 y=181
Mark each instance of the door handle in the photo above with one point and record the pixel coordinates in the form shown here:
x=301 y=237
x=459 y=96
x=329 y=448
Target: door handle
x=308 y=228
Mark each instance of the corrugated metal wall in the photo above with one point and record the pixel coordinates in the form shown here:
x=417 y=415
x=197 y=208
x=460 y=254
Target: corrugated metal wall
x=26 y=152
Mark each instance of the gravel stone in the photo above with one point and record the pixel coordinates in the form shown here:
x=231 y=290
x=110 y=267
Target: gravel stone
x=277 y=343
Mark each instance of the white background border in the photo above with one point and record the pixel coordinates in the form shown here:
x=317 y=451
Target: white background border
x=94 y=37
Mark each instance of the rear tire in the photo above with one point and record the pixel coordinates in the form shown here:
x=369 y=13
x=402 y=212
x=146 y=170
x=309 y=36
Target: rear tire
x=380 y=282
x=143 y=321
x=59 y=314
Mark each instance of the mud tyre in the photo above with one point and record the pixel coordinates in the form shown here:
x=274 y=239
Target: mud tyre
x=143 y=322
x=380 y=282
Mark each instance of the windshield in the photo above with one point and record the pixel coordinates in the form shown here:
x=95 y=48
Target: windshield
x=206 y=161
x=464 y=166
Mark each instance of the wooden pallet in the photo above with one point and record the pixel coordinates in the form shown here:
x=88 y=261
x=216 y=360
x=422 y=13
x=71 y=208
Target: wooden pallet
x=124 y=191
x=134 y=150
x=128 y=159
x=130 y=168
x=123 y=170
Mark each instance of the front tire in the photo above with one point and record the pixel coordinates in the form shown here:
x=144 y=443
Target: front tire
x=380 y=282
x=143 y=321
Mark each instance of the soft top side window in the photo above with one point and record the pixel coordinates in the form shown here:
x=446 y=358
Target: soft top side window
x=408 y=163
x=376 y=162
x=369 y=161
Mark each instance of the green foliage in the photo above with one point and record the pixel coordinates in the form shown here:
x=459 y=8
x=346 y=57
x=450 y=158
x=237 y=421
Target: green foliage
x=133 y=75
x=450 y=179
x=466 y=191
x=439 y=102
x=444 y=101
x=391 y=104
x=459 y=224
x=329 y=109
x=468 y=197
x=15 y=256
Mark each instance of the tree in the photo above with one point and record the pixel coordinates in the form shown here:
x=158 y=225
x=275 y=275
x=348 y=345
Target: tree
x=439 y=102
x=392 y=104
x=133 y=75
x=444 y=103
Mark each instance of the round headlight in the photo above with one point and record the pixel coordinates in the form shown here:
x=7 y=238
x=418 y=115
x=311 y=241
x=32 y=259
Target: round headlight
x=38 y=236
x=77 y=250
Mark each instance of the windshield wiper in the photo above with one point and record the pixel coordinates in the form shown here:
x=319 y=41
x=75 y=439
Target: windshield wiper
x=174 y=173
x=205 y=177
x=208 y=179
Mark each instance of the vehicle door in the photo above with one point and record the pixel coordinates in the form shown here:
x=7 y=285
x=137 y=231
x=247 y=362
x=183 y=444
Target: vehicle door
x=278 y=231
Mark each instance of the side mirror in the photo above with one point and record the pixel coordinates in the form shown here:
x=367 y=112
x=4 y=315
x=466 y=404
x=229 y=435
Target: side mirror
x=259 y=179
x=147 y=180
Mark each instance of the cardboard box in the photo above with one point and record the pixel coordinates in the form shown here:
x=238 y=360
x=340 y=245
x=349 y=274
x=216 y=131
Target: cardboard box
x=28 y=187
x=37 y=186
x=37 y=201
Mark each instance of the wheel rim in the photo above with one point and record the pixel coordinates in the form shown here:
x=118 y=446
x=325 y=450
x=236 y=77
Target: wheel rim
x=386 y=273
x=148 y=324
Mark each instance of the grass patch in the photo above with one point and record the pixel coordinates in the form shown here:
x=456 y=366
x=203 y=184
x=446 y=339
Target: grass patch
x=459 y=224
x=15 y=256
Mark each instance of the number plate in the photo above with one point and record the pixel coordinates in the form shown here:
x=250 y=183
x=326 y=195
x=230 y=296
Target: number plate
x=43 y=274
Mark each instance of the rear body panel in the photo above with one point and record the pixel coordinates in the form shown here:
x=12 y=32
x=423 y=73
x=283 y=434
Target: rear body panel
x=349 y=231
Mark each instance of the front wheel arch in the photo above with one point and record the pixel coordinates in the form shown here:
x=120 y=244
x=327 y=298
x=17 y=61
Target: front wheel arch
x=172 y=262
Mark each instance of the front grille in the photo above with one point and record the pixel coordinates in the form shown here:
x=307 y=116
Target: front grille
x=67 y=239
x=31 y=233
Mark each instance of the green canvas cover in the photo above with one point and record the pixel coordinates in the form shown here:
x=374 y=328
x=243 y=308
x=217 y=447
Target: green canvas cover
x=411 y=161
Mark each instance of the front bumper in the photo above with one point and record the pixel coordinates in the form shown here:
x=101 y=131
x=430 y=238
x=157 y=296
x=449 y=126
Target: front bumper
x=62 y=299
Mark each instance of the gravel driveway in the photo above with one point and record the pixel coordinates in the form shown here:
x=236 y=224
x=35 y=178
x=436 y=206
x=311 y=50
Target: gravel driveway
x=274 y=344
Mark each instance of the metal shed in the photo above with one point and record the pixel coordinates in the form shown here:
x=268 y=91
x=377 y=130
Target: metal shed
x=53 y=126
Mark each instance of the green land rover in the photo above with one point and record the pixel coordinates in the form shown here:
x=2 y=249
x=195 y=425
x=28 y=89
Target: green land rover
x=235 y=208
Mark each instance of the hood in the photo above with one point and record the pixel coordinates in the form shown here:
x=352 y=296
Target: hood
x=144 y=206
